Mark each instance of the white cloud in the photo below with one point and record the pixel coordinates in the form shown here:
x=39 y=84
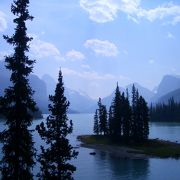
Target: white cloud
x=160 y=12
x=3 y=22
x=103 y=48
x=75 y=55
x=41 y=49
x=103 y=11
x=129 y=6
x=170 y=36
x=89 y=75
x=100 y=11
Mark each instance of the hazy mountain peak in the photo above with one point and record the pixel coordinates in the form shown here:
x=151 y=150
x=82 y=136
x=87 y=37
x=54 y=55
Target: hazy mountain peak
x=169 y=83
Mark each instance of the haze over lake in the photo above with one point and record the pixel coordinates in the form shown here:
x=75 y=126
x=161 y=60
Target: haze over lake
x=105 y=166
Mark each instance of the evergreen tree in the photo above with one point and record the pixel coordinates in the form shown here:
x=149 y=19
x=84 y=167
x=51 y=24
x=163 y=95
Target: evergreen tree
x=126 y=118
x=140 y=117
x=96 y=123
x=102 y=115
x=139 y=120
x=104 y=125
x=117 y=114
x=135 y=113
x=166 y=112
x=55 y=158
x=110 y=121
x=143 y=120
x=146 y=118
x=17 y=103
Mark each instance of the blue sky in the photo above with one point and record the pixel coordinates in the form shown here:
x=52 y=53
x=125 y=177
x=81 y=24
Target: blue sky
x=99 y=42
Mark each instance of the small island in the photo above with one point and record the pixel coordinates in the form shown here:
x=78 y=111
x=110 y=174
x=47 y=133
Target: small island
x=124 y=130
x=149 y=149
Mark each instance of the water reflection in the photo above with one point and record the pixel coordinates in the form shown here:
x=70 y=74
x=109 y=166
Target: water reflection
x=122 y=168
x=103 y=166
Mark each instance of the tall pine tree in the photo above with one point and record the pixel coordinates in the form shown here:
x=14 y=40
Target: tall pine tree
x=55 y=158
x=96 y=123
x=104 y=124
x=102 y=115
x=17 y=103
x=134 y=125
x=110 y=121
x=146 y=118
x=117 y=113
x=140 y=117
x=126 y=117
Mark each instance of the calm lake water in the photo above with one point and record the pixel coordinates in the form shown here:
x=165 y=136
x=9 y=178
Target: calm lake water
x=106 y=167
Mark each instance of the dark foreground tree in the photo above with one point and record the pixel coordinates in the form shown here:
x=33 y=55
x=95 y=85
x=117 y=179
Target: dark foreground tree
x=54 y=159
x=17 y=103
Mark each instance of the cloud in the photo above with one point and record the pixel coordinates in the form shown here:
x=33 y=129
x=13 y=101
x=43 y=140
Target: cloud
x=102 y=11
x=75 y=55
x=103 y=48
x=170 y=36
x=89 y=75
x=41 y=49
x=3 y=22
x=164 y=11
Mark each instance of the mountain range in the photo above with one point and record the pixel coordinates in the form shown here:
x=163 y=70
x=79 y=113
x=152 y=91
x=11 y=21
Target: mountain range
x=81 y=103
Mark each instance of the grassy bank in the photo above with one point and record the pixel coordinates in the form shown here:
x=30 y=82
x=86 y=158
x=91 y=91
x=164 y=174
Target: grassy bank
x=152 y=147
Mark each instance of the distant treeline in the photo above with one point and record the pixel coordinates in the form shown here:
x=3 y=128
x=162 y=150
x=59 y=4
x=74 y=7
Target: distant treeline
x=165 y=112
x=123 y=121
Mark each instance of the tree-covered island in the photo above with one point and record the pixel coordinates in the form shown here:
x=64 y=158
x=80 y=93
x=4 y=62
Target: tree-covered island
x=124 y=129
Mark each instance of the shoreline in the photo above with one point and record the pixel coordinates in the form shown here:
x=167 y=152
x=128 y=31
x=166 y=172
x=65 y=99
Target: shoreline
x=152 y=149
x=119 y=152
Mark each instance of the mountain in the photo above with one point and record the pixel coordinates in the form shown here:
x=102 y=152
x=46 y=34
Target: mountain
x=50 y=83
x=78 y=102
x=175 y=94
x=36 y=83
x=146 y=93
x=40 y=94
x=167 y=88
x=108 y=100
x=82 y=103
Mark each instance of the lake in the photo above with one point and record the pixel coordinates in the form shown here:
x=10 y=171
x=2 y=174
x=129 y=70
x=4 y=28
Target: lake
x=106 y=167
